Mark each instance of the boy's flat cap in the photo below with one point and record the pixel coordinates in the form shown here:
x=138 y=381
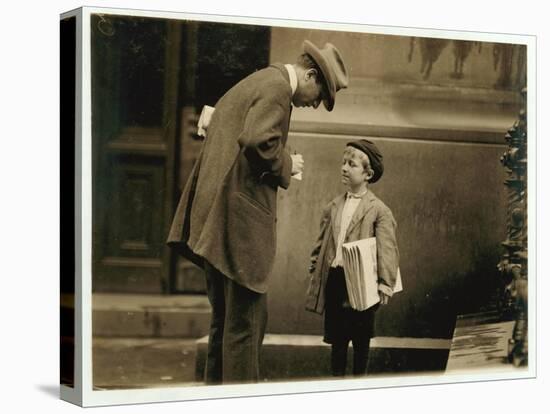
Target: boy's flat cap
x=375 y=156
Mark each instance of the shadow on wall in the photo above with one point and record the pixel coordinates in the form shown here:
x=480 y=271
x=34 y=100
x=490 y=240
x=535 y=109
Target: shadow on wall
x=433 y=311
x=508 y=60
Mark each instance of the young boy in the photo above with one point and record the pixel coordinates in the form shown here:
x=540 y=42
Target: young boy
x=357 y=214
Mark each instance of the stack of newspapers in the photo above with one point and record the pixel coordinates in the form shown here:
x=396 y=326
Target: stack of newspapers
x=360 y=267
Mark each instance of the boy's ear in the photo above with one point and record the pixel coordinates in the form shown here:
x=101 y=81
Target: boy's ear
x=369 y=175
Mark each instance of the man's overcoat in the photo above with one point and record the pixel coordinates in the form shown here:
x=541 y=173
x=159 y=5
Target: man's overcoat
x=227 y=211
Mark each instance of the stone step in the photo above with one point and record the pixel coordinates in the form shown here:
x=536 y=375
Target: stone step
x=482 y=345
x=150 y=316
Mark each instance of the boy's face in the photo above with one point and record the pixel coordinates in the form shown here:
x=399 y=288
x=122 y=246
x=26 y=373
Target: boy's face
x=354 y=175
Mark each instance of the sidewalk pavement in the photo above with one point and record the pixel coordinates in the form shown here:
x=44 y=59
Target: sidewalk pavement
x=143 y=341
x=125 y=363
x=163 y=362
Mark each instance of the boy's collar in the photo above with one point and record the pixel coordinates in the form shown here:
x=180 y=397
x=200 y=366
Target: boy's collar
x=361 y=194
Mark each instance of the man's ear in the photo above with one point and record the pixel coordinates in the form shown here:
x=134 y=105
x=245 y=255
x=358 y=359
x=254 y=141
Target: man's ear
x=311 y=72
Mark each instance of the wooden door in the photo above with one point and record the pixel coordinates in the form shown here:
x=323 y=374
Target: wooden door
x=150 y=78
x=135 y=72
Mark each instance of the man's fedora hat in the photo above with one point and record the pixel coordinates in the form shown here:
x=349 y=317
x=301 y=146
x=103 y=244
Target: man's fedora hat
x=332 y=65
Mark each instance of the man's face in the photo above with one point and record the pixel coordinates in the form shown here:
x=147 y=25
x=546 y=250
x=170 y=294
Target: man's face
x=310 y=93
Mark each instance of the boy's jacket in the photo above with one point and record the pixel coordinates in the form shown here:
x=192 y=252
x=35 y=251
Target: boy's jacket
x=372 y=218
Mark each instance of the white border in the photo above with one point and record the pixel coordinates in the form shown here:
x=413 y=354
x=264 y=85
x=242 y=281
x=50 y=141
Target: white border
x=74 y=394
x=532 y=134
x=96 y=398
x=86 y=293
x=303 y=24
x=140 y=396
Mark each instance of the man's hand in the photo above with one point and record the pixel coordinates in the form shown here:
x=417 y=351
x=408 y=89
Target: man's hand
x=384 y=299
x=297 y=163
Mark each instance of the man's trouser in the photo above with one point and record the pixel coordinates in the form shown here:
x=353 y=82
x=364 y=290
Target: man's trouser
x=239 y=318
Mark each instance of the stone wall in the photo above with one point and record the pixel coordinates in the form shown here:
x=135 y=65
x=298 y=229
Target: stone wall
x=441 y=131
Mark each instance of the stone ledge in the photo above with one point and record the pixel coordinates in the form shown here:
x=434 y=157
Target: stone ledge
x=415 y=111
x=295 y=357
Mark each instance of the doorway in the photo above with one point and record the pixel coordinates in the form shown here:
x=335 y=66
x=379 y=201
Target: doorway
x=150 y=78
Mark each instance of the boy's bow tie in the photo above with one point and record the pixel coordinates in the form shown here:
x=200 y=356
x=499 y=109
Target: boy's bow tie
x=356 y=195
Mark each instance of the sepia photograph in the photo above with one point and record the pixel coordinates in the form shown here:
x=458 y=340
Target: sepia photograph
x=281 y=206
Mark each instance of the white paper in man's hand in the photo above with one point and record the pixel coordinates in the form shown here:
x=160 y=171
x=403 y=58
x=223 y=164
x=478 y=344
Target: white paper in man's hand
x=204 y=120
x=297 y=166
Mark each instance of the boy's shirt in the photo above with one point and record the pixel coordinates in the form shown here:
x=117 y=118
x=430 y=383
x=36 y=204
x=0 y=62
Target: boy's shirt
x=350 y=205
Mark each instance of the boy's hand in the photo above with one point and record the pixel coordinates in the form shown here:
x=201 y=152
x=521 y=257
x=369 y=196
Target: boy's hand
x=384 y=299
